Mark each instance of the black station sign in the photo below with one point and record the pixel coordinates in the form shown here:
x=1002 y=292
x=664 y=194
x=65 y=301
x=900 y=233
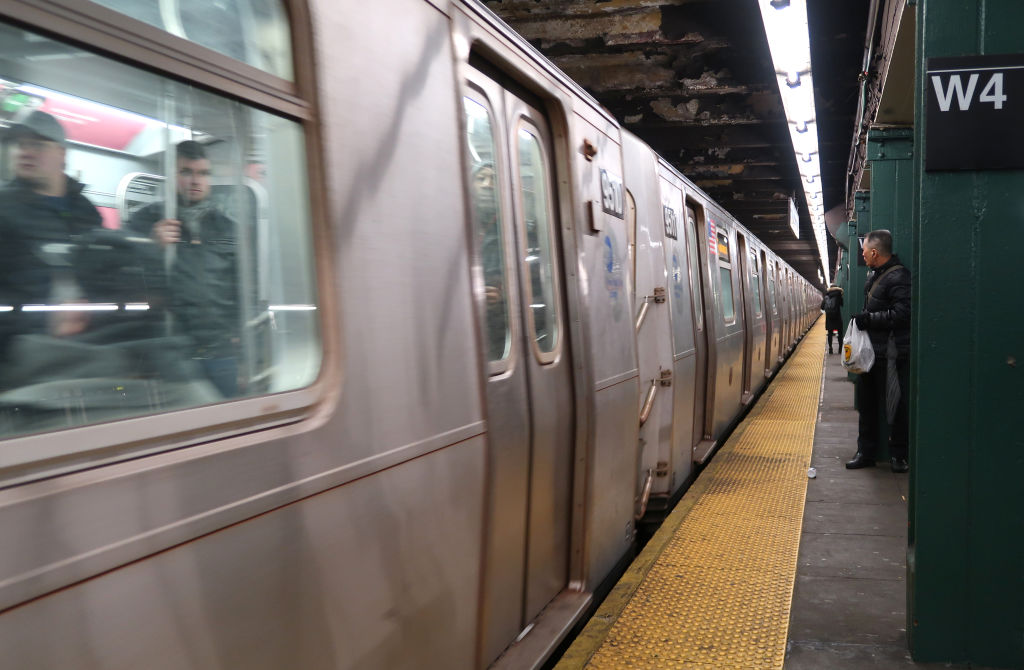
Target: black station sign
x=975 y=113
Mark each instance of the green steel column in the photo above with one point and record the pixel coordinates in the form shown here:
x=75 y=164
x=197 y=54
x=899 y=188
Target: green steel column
x=890 y=153
x=966 y=558
x=853 y=297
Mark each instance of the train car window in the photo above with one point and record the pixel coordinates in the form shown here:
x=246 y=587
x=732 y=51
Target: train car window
x=631 y=237
x=771 y=287
x=252 y=31
x=157 y=246
x=755 y=283
x=539 y=256
x=694 y=255
x=725 y=275
x=488 y=228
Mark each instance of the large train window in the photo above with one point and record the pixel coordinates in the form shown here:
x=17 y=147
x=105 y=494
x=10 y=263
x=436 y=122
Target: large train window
x=694 y=255
x=539 y=258
x=252 y=31
x=725 y=275
x=488 y=228
x=157 y=250
x=755 y=283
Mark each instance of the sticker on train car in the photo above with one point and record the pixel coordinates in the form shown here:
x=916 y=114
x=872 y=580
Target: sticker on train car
x=712 y=239
x=613 y=281
x=613 y=195
x=671 y=222
x=677 y=281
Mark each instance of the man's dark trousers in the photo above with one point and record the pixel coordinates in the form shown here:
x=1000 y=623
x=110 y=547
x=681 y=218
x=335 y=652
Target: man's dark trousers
x=871 y=406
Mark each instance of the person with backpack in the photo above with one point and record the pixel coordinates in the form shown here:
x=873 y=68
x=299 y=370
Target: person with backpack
x=831 y=305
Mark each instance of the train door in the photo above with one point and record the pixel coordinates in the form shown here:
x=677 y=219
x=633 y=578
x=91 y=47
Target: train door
x=747 y=299
x=529 y=393
x=695 y=228
x=768 y=290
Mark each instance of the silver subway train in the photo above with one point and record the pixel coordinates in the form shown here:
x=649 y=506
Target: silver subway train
x=474 y=333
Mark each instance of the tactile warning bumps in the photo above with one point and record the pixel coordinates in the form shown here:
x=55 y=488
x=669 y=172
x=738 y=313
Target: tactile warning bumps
x=718 y=596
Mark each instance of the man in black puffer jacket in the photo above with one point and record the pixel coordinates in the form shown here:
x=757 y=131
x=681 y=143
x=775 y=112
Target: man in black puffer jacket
x=42 y=216
x=886 y=318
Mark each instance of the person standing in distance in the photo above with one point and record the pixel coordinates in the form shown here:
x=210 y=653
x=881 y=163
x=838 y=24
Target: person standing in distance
x=831 y=305
x=203 y=293
x=886 y=319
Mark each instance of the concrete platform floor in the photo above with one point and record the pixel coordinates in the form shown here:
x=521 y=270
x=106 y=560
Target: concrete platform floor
x=849 y=601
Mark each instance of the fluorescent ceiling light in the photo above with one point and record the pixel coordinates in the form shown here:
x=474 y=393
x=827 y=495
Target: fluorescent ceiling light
x=785 y=24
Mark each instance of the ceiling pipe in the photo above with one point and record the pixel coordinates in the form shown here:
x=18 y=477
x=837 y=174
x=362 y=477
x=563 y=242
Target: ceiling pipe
x=858 y=127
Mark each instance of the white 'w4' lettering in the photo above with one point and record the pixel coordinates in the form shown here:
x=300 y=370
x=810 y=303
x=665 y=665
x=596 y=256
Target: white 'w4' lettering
x=993 y=91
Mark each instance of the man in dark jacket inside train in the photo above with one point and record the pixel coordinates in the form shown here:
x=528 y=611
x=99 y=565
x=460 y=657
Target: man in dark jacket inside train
x=203 y=292
x=42 y=214
x=886 y=319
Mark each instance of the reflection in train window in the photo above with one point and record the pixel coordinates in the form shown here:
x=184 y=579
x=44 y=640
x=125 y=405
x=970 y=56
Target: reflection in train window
x=124 y=292
x=539 y=255
x=755 y=283
x=252 y=31
x=489 y=237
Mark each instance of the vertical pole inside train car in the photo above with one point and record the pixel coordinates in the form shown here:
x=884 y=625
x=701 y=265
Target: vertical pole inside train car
x=965 y=583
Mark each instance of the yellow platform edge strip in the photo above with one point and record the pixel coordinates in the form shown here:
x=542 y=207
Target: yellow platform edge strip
x=713 y=587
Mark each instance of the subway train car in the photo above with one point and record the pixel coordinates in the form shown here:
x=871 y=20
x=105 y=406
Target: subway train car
x=462 y=334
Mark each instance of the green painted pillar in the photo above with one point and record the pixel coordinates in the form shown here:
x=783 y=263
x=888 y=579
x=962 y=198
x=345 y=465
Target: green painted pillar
x=966 y=555
x=853 y=297
x=890 y=153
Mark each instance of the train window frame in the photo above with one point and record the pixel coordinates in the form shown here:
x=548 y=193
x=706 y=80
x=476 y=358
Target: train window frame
x=175 y=21
x=476 y=94
x=755 y=282
x=725 y=279
x=542 y=139
x=108 y=34
x=694 y=257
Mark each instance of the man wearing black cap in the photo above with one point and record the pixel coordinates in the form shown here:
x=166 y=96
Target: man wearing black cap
x=42 y=210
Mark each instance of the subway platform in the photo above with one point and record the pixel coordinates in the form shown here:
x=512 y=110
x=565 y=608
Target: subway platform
x=762 y=566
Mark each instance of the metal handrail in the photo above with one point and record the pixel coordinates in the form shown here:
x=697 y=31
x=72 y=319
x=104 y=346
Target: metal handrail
x=643 y=314
x=645 y=413
x=645 y=496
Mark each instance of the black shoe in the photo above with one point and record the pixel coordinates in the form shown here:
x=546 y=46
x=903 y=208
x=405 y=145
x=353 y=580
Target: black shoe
x=898 y=464
x=860 y=461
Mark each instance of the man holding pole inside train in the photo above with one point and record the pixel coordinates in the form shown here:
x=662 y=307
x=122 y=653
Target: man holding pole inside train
x=203 y=294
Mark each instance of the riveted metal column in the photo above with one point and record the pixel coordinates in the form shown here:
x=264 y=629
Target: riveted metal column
x=966 y=557
x=890 y=152
x=853 y=298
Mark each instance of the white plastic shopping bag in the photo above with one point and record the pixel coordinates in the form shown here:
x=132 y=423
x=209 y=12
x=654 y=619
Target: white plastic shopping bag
x=858 y=356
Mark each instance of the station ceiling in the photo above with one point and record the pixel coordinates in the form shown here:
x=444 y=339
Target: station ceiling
x=694 y=79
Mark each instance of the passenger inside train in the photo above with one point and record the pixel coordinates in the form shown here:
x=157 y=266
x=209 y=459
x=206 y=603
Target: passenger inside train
x=203 y=296
x=97 y=320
